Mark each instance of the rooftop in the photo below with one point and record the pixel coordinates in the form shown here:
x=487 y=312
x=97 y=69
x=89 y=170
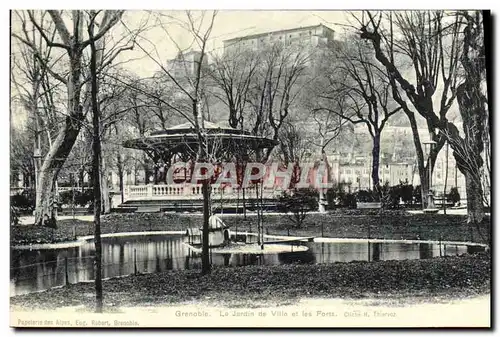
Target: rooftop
x=252 y=36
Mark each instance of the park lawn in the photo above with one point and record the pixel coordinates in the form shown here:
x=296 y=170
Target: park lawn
x=258 y=286
x=343 y=224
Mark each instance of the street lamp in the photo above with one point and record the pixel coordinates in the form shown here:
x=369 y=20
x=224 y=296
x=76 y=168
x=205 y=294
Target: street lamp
x=428 y=145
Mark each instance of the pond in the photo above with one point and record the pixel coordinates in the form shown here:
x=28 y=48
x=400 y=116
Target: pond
x=42 y=269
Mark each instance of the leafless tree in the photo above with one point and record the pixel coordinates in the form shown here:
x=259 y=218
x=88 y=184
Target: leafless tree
x=277 y=85
x=72 y=43
x=429 y=43
x=189 y=89
x=473 y=105
x=359 y=92
x=446 y=51
x=232 y=74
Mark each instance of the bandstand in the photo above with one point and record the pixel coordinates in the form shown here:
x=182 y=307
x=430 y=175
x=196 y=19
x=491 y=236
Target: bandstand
x=181 y=143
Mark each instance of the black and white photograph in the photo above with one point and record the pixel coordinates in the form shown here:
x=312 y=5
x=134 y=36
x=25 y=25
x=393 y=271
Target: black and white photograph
x=250 y=168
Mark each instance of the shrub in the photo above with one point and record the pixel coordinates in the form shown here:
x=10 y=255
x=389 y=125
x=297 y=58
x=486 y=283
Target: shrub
x=84 y=198
x=66 y=197
x=299 y=203
x=331 y=195
x=417 y=194
x=338 y=197
x=366 y=196
x=24 y=201
x=348 y=200
x=389 y=196
x=406 y=192
x=14 y=216
x=453 y=196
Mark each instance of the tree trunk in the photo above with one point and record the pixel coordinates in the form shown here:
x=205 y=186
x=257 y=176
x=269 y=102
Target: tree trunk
x=445 y=181
x=472 y=104
x=96 y=146
x=475 y=208
x=424 y=187
x=96 y=165
x=145 y=167
x=47 y=175
x=44 y=211
x=106 y=206
x=81 y=174
x=376 y=162
x=120 y=183
x=62 y=145
x=244 y=203
x=205 y=252
x=422 y=171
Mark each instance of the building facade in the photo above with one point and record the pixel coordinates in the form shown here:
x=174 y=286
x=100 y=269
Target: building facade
x=186 y=64
x=310 y=36
x=355 y=171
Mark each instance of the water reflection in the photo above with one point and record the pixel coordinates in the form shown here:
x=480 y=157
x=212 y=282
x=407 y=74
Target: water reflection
x=42 y=269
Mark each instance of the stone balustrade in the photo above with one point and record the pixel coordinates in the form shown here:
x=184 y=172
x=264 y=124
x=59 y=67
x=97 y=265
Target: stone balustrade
x=191 y=192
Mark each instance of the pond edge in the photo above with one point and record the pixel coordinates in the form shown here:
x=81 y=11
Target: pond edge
x=81 y=240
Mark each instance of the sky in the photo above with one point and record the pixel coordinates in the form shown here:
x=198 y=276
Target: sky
x=228 y=24
x=162 y=34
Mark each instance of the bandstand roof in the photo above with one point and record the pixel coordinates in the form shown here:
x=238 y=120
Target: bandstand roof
x=183 y=137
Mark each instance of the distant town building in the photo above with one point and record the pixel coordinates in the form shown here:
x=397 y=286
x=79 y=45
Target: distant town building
x=186 y=64
x=356 y=171
x=310 y=36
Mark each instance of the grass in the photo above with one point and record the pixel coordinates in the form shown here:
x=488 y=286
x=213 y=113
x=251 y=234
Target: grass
x=458 y=276
x=346 y=224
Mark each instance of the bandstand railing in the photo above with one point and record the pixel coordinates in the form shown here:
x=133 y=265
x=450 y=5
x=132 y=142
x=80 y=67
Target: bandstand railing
x=192 y=192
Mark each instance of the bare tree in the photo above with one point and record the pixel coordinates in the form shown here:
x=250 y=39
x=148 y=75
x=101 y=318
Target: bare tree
x=33 y=84
x=190 y=91
x=277 y=85
x=294 y=143
x=428 y=42
x=72 y=43
x=440 y=45
x=21 y=156
x=473 y=105
x=359 y=92
x=96 y=160
x=233 y=74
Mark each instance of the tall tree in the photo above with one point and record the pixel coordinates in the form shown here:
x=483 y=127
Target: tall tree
x=440 y=46
x=277 y=86
x=73 y=44
x=359 y=92
x=232 y=75
x=96 y=161
x=189 y=83
x=429 y=42
x=473 y=105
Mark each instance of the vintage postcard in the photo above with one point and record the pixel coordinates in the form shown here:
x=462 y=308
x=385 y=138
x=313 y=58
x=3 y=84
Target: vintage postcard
x=250 y=168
